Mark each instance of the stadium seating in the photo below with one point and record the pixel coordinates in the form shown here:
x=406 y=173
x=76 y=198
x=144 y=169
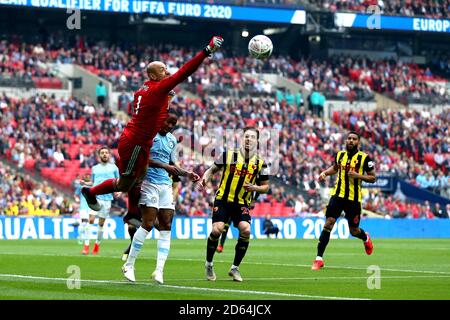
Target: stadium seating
x=417 y=135
x=21 y=65
x=21 y=196
x=342 y=77
x=431 y=9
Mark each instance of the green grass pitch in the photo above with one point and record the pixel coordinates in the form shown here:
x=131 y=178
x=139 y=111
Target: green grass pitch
x=274 y=269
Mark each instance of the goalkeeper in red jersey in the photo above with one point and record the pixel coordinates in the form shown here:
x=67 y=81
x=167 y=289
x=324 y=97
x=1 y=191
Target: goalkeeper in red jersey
x=151 y=104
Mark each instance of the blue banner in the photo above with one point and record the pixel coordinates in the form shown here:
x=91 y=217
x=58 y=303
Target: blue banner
x=384 y=183
x=199 y=228
x=178 y=9
x=421 y=195
x=380 y=22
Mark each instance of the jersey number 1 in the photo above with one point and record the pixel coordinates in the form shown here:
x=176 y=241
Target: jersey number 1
x=138 y=104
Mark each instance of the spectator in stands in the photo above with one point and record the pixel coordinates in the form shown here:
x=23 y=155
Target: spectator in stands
x=269 y=227
x=280 y=95
x=438 y=212
x=428 y=211
x=124 y=101
x=58 y=156
x=443 y=182
x=432 y=182
x=76 y=185
x=301 y=207
x=100 y=92
x=18 y=154
x=317 y=103
x=447 y=210
x=422 y=212
x=310 y=185
x=290 y=201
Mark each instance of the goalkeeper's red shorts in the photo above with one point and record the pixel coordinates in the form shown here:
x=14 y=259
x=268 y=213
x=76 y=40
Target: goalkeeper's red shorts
x=133 y=158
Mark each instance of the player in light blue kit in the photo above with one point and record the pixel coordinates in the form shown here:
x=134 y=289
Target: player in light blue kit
x=83 y=230
x=100 y=172
x=157 y=199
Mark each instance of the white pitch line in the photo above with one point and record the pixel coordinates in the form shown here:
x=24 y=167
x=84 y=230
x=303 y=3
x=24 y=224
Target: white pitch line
x=328 y=278
x=265 y=293
x=280 y=294
x=331 y=267
x=247 y=262
x=5 y=275
x=359 y=268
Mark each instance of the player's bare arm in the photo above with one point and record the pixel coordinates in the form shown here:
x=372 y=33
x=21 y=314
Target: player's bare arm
x=209 y=174
x=174 y=170
x=370 y=177
x=169 y=168
x=329 y=172
x=262 y=187
x=186 y=173
x=169 y=82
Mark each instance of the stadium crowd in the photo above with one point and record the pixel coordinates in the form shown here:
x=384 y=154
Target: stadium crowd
x=440 y=60
x=253 y=2
x=338 y=77
x=416 y=134
x=21 y=195
x=357 y=78
x=21 y=64
x=396 y=208
x=68 y=123
x=428 y=8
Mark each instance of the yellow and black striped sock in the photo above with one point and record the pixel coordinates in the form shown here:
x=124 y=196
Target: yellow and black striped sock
x=223 y=237
x=211 y=247
x=323 y=241
x=241 y=249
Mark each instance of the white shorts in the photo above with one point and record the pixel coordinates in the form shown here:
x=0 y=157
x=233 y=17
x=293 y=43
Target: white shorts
x=105 y=207
x=157 y=196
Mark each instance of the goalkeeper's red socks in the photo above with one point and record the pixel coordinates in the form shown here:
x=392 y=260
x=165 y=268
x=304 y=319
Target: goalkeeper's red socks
x=107 y=186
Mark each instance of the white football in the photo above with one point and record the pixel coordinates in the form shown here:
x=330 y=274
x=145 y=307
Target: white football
x=260 y=47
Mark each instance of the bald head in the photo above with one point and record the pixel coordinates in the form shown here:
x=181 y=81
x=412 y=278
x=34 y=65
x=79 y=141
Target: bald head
x=157 y=71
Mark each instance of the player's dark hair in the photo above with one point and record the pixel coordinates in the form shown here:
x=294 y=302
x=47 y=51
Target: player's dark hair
x=172 y=116
x=101 y=148
x=355 y=133
x=252 y=129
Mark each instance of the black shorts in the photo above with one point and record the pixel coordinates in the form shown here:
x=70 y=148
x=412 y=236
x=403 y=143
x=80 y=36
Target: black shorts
x=101 y=100
x=226 y=212
x=131 y=216
x=352 y=210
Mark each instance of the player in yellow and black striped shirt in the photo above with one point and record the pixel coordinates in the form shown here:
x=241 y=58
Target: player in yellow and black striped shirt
x=352 y=166
x=244 y=174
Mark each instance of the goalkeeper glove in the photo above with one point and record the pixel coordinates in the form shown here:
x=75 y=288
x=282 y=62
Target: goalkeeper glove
x=214 y=44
